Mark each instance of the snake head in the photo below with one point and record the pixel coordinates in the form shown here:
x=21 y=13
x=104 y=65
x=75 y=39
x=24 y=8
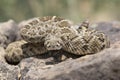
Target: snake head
x=53 y=43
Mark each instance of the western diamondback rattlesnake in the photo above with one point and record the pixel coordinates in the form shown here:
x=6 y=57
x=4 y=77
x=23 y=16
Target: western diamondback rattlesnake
x=53 y=33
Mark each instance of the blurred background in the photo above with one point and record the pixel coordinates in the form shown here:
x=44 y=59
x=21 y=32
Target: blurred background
x=76 y=10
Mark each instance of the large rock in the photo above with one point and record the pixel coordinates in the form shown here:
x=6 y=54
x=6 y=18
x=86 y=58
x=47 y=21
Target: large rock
x=101 y=66
x=8 y=72
x=8 y=32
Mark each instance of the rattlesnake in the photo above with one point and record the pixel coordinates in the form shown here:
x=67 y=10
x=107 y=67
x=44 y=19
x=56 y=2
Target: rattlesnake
x=53 y=33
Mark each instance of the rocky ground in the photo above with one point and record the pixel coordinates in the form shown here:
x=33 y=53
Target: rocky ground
x=104 y=65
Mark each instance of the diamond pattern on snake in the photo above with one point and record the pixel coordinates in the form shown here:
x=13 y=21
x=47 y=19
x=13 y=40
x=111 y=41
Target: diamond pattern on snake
x=53 y=33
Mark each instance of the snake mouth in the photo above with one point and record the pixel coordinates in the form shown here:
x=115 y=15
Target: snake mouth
x=55 y=47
